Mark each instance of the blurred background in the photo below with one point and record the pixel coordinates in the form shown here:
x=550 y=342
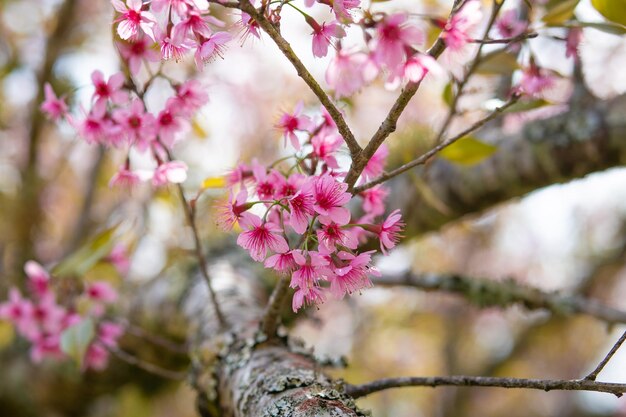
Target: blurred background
x=56 y=206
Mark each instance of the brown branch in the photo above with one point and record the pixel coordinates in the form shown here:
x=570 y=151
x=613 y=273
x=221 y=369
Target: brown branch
x=426 y=156
x=153 y=338
x=594 y=374
x=518 y=38
x=146 y=366
x=303 y=73
x=269 y=322
x=357 y=391
x=488 y=293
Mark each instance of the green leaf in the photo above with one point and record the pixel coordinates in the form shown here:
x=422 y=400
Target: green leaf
x=613 y=10
x=81 y=261
x=521 y=106
x=467 y=151
x=498 y=63
x=76 y=339
x=448 y=95
x=559 y=11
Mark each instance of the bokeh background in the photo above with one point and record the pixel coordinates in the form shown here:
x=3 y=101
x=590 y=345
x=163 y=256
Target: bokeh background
x=55 y=202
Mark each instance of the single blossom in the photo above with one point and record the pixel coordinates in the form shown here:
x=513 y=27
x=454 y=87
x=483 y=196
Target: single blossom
x=137 y=125
x=261 y=237
x=173 y=172
x=574 y=37
x=125 y=178
x=190 y=97
x=351 y=273
x=289 y=123
x=344 y=73
x=323 y=34
x=301 y=208
x=133 y=18
x=374 y=200
x=325 y=145
x=283 y=263
x=38 y=279
x=376 y=164
x=137 y=51
x=457 y=30
x=330 y=235
x=231 y=211
x=330 y=197
x=509 y=25
x=535 y=80
x=211 y=47
x=55 y=108
x=101 y=292
x=393 y=36
x=389 y=231
x=105 y=91
x=419 y=65
x=306 y=296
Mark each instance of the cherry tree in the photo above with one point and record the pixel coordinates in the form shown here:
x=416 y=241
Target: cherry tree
x=320 y=215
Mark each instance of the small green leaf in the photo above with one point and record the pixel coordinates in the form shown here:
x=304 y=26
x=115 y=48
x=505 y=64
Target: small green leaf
x=76 y=339
x=559 y=11
x=521 y=106
x=79 y=262
x=467 y=151
x=613 y=10
x=448 y=95
x=498 y=63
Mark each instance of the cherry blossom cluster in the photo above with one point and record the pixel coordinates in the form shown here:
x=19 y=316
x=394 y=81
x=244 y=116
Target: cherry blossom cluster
x=118 y=118
x=295 y=215
x=42 y=320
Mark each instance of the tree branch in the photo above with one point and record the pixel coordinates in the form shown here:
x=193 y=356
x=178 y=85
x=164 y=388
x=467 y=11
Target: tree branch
x=487 y=293
x=306 y=76
x=357 y=391
x=594 y=374
x=426 y=156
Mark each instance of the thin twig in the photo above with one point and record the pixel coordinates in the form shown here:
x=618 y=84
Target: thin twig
x=594 y=374
x=518 y=38
x=146 y=366
x=153 y=338
x=269 y=323
x=357 y=391
x=489 y=293
x=190 y=213
x=426 y=156
x=304 y=73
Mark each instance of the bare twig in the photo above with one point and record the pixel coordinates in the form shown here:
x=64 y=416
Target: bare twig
x=357 y=391
x=304 y=73
x=146 y=366
x=153 y=338
x=594 y=374
x=269 y=323
x=426 y=156
x=488 y=293
x=518 y=38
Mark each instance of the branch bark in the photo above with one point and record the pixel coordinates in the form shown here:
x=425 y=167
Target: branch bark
x=571 y=145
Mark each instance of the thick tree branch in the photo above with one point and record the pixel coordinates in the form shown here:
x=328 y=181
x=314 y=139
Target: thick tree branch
x=488 y=293
x=357 y=391
x=570 y=145
x=304 y=73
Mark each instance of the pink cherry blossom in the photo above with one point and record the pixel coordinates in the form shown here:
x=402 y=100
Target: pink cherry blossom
x=133 y=18
x=330 y=197
x=330 y=235
x=344 y=73
x=351 y=273
x=343 y=8
x=194 y=24
x=389 y=231
x=322 y=36
x=325 y=144
x=374 y=200
x=312 y=267
x=509 y=25
x=419 y=65
x=96 y=127
x=101 y=292
x=138 y=51
x=96 y=357
x=137 y=125
x=288 y=187
x=261 y=237
x=306 y=296
x=46 y=346
x=213 y=46
x=190 y=97
x=173 y=172
x=301 y=207
x=574 y=37
x=535 y=80
x=124 y=177
x=119 y=258
x=376 y=164
x=289 y=123
x=19 y=311
x=282 y=263
x=394 y=34
x=231 y=211
x=106 y=91
x=457 y=31
x=170 y=124
x=109 y=333
x=55 y=108
x=38 y=278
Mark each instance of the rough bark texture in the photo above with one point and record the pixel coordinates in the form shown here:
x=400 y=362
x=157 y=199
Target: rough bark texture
x=571 y=145
x=239 y=374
